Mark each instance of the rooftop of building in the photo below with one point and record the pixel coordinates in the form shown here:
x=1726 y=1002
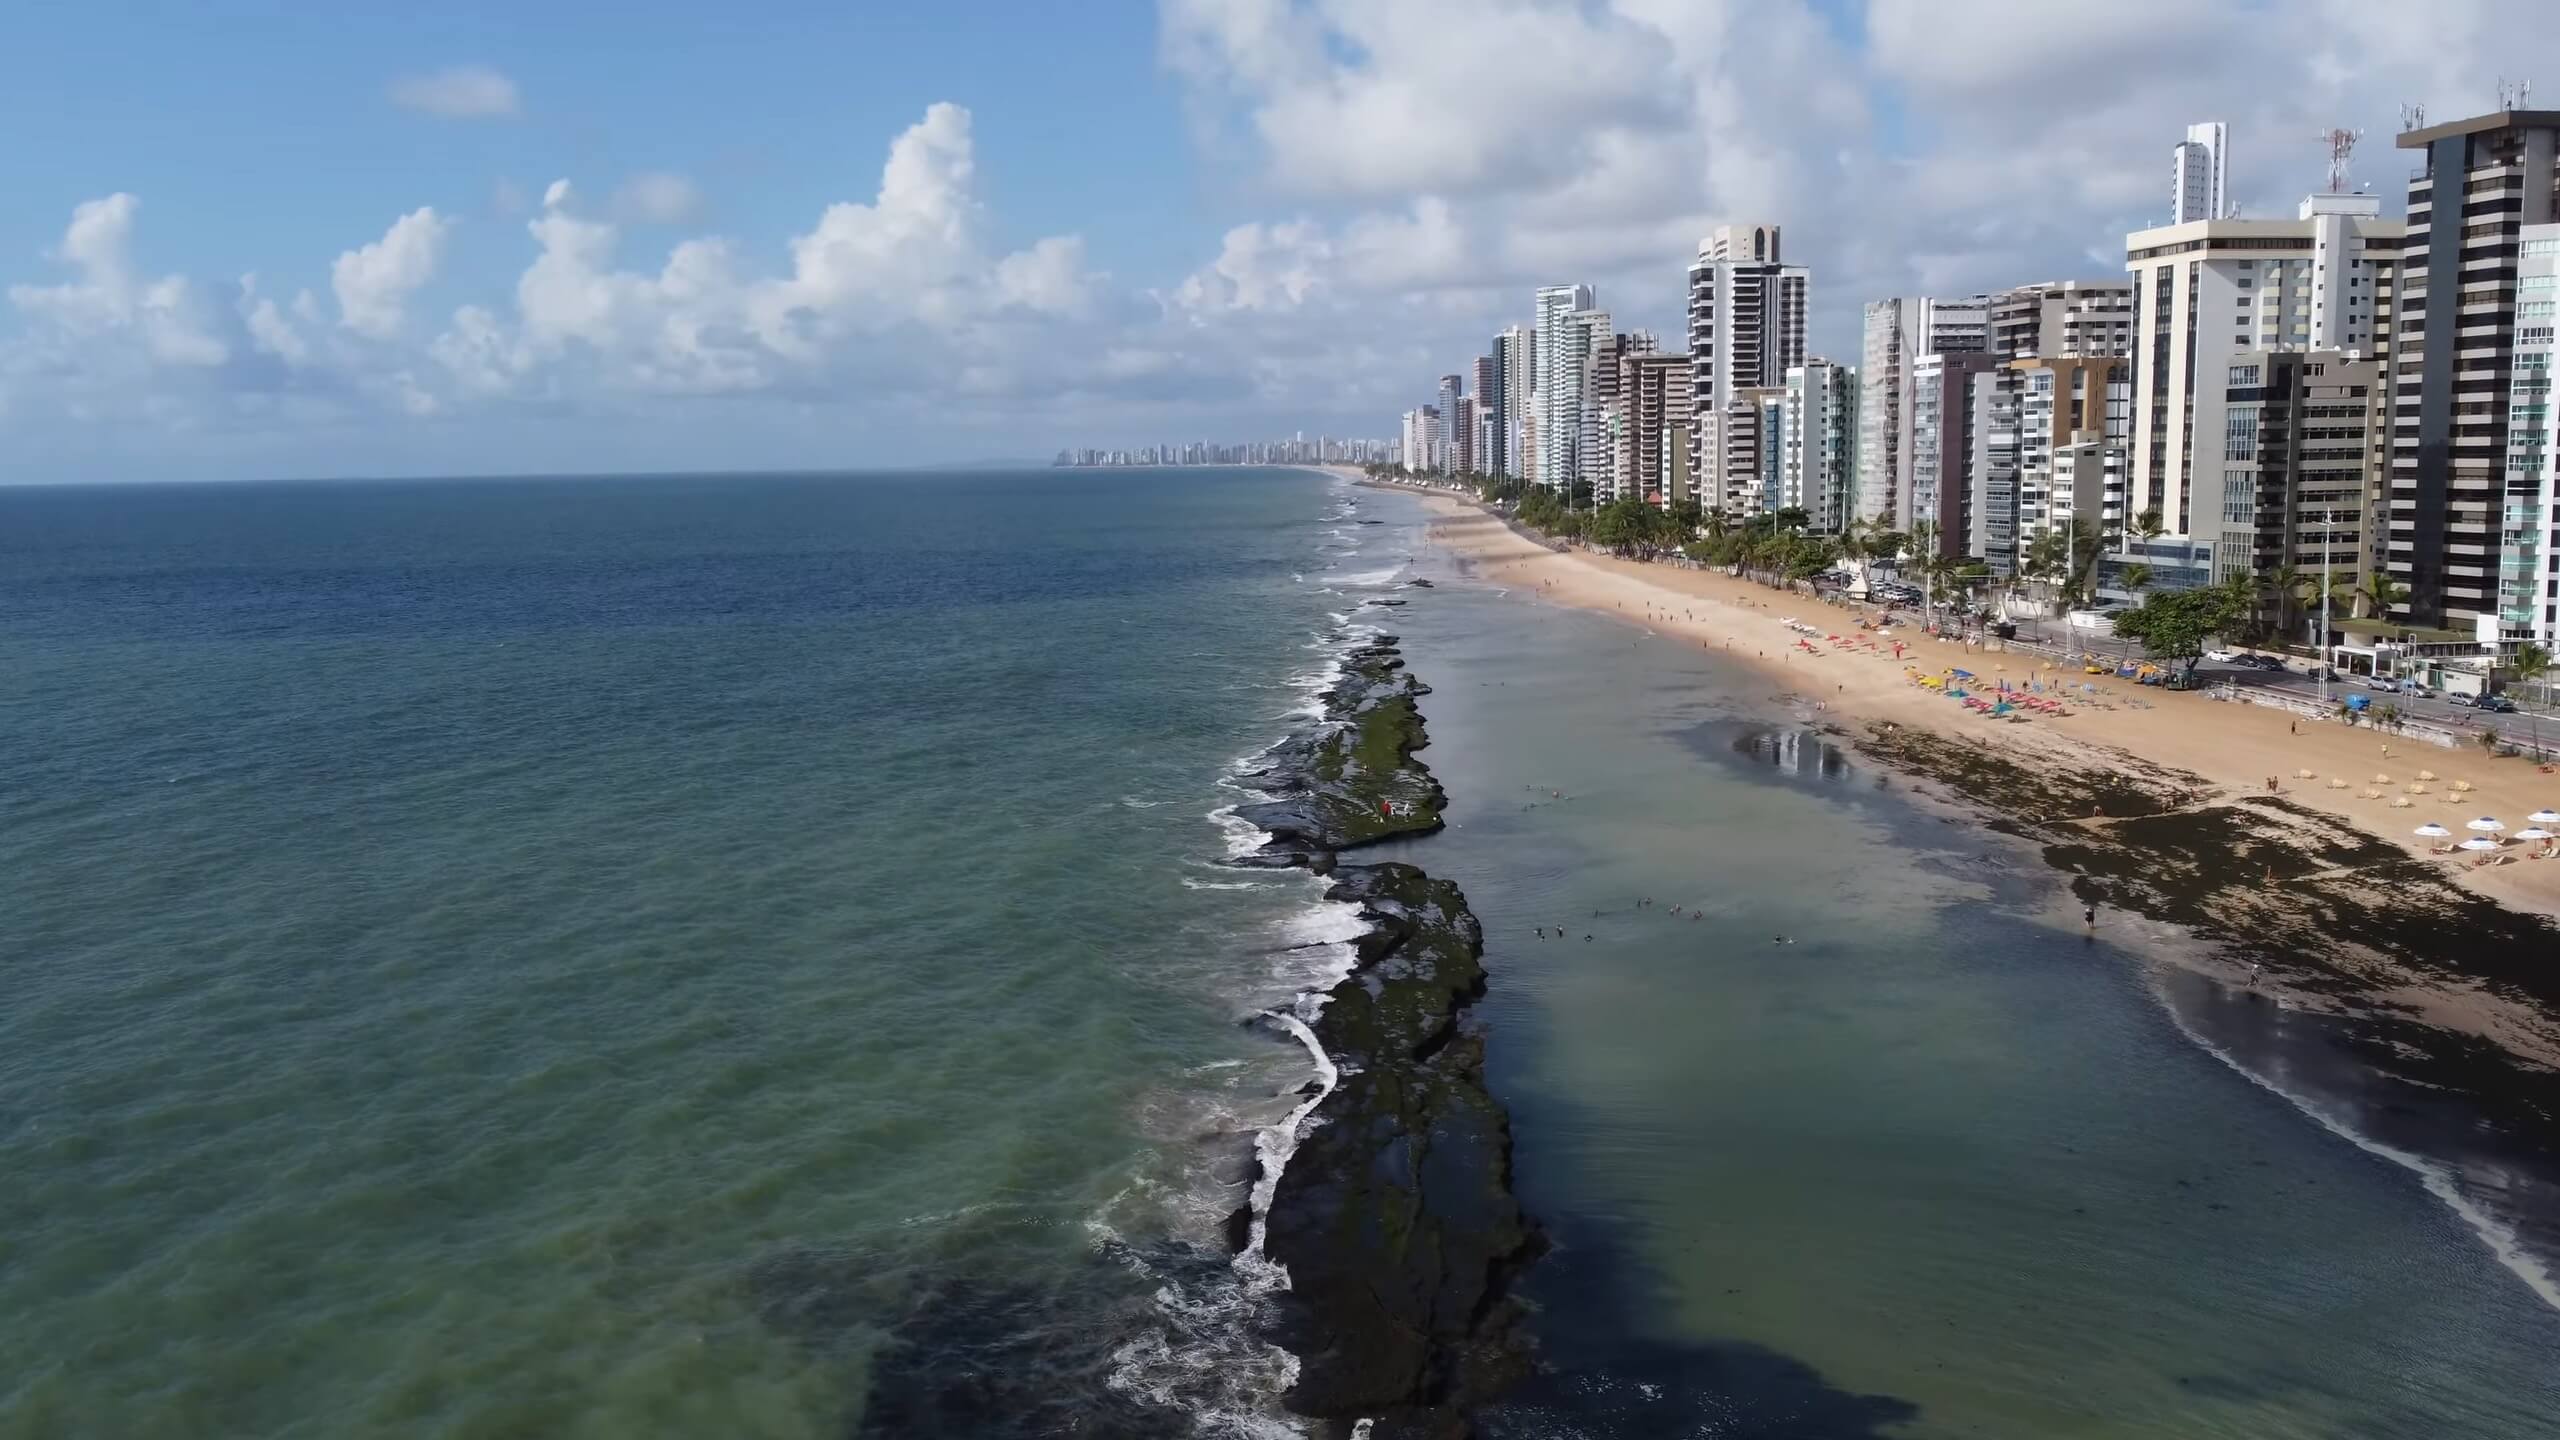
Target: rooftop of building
x=2421 y=138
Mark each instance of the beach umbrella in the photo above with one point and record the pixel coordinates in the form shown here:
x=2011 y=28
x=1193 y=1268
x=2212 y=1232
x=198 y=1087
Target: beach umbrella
x=2488 y=824
x=2480 y=842
x=2545 y=817
x=2433 y=831
x=2536 y=833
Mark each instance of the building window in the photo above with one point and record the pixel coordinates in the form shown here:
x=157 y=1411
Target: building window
x=2244 y=375
x=2240 y=433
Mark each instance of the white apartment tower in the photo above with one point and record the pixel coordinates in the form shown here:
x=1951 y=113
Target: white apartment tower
x=1514 y=363
x=2211 y=289
x=1746 y=328
x=1819 y=465
x=2197 y=168
x=2529 y=552
x=1561 y=373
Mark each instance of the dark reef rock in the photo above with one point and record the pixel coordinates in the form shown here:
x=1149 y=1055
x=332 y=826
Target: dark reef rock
x=1350 y=778
x=1395 y=1217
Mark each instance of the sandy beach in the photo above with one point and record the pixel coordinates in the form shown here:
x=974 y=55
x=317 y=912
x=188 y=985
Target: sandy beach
x=2233 y=747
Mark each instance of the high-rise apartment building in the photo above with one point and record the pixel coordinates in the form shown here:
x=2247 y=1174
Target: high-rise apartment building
x=1483 y=451
x=2298 y=469
x=2529 y=539
x=2212 y=289
x=2198 y=168
x=1819 y=471
x=2458 y=509
x=1562 y=368
x=1746 y=323
x=1414 y=450
x=1650 y=458
x=1898 y=333
x=2072 y=417
x=1941 y=441
x=1515 y=365
x=2063 y=317
x=1607 y=422
x=1447 y=455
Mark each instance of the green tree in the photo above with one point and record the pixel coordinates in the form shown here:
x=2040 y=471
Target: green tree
x=2175 y=626
x=2380 y=593
x=2282 y=585
x=2137 y=579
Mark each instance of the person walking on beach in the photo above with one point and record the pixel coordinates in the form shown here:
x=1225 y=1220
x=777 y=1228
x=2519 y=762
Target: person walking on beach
x=2089 y=916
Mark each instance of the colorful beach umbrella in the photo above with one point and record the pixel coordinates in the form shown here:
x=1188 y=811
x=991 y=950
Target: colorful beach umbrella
x=2433 y=831
x=2488 y=824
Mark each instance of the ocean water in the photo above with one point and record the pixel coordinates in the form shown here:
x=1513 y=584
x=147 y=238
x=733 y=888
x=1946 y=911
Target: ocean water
x=747 y=956
x=666 y=956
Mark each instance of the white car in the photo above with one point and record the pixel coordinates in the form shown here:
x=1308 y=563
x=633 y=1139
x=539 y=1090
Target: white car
x=2222 y=657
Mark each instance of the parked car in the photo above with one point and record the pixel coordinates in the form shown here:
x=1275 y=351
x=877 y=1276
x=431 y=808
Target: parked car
x=2267 y=662
x=2224 y=657
x=2379 y=682
x=2496 y=704
x=2462 y=698
x=2416 y=691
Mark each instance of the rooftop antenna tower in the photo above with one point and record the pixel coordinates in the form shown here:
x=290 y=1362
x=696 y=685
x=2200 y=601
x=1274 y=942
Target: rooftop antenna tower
x=2413 y=117
x=2342 y=143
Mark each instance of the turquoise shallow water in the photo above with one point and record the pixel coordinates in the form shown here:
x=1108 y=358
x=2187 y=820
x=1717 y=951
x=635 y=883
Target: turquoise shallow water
x=1930 y=1168
x=581 y=957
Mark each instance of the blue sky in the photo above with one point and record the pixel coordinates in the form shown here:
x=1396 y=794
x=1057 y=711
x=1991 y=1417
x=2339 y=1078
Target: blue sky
x=872 y=234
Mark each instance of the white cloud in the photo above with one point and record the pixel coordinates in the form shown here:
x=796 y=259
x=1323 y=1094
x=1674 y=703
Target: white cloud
x=457 y=92
x=373 y=284
x=658 y=197
x=269 y=331
x=107 y=305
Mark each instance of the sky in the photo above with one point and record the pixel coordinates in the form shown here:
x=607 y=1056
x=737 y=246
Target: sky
x=274 y=239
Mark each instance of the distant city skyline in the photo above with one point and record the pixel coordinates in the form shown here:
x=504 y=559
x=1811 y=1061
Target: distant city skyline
x=487 y=240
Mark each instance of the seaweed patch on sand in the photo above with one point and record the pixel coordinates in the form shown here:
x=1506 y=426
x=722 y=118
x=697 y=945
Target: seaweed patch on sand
x=2444 y=988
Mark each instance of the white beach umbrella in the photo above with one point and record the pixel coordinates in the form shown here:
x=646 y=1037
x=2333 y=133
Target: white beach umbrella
x=2433 y=831
x=2488 y=824
x=2536 y=833
x=2480 y=842
x=2544 y=817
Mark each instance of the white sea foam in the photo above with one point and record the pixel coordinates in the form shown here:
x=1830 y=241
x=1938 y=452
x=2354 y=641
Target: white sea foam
x=1134 y=803
x=2437 y=1178
x=1243 y=837
x=1190 y=884
x=1367 y=578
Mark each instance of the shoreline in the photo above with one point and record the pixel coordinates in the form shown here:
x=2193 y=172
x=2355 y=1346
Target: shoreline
x=2229 y=747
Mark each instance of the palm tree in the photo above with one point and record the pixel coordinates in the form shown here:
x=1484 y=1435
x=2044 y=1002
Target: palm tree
x=2137 y=578
x=2533 y=662
x=2042 y=561
x=1921 y=544
x=2284 y=586
x=2381 y=593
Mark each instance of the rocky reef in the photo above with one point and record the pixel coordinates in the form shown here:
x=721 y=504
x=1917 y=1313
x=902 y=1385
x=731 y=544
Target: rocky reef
x=1395 y=1216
